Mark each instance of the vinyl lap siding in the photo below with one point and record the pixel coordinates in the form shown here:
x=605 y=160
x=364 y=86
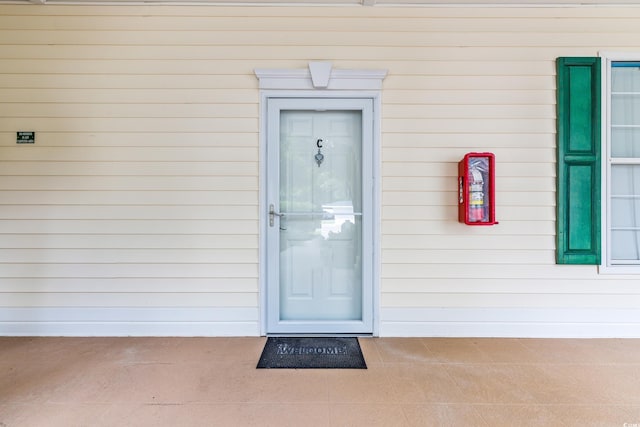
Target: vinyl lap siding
x=136 y=211
x=491 y=89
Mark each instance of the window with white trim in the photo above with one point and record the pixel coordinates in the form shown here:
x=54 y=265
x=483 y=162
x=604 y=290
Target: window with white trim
x=621 y=153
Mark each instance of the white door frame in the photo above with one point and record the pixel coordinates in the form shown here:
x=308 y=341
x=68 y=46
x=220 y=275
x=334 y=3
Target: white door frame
x=273 y=255
x=320 y=81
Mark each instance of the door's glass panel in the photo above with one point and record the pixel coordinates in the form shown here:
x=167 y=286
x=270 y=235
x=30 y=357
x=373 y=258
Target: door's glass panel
x=321 y=230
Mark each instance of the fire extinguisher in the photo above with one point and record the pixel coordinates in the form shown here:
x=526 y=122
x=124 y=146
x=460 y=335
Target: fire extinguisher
x=476 y=189
x=476 y=194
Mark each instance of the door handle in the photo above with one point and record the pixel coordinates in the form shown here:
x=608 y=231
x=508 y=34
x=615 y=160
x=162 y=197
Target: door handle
x=273 y=214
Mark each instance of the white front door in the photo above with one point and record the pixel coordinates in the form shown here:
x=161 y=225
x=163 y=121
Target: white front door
x=319 y=227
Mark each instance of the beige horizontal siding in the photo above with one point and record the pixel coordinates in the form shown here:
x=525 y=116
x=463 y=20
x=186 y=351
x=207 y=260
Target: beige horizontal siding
x=201 y=18
x=468 y=256
x=88 y=270
x=461 y=141
x=133 y=124
x=117 y=96
x=141 y=194
x=445 y=212
x=238 y=235
x=477 y=241
x=292 y=53
x=433 y=227
x=540 y=155
x=424 y=67
x=534 y=300
x=76 y=81
x=125 y=183
x=213 y=155
x=138 y=198
x=128 y=256
x=164 y=212
x=31 y=110
x=164 y=197
x=137 y=285
x=550 y=286
x=144 y=299
x=399 y=183
x=270 y=37
x=454 y=96
x=469 y=111
x=146 y=138
x=425 y=198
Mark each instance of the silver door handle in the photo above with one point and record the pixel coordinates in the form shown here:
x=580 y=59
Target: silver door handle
x=273 y=214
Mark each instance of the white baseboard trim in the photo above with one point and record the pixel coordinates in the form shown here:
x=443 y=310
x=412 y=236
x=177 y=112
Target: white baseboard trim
x=129 y=321
x=395 y=322
x=510 y=323
x=156 y=329
x=505 y=330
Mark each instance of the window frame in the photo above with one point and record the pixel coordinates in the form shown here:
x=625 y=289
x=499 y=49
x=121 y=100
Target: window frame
x=607 y=266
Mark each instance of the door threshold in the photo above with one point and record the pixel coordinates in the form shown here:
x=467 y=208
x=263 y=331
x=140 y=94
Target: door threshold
x=347 y=335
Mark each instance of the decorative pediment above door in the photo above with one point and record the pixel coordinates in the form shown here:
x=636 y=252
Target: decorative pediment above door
x=320 y=75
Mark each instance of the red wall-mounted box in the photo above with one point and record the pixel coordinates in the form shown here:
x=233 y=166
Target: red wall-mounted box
x=476 y=189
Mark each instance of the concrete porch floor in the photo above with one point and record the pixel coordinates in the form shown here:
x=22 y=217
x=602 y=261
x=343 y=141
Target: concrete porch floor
x=410 y=382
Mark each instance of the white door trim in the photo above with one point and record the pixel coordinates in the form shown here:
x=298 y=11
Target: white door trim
x=350 y=84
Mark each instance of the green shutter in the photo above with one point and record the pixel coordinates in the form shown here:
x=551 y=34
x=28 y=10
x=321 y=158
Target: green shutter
x=578 y=174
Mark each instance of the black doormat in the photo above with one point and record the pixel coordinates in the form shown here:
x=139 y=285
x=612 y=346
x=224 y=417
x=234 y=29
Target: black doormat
x=312 y=353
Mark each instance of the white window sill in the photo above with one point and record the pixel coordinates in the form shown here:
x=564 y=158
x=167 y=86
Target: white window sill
x=619 y=269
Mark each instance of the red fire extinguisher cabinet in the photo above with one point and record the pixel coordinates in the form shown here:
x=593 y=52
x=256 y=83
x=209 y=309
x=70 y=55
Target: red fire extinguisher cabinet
x=476 y=189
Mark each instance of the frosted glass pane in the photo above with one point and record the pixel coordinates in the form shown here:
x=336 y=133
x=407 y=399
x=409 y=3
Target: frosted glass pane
x=625 y=109
x=625 y=180
x=625 y=212
x=625 y=142
x=625 y=244
x=625 y=79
